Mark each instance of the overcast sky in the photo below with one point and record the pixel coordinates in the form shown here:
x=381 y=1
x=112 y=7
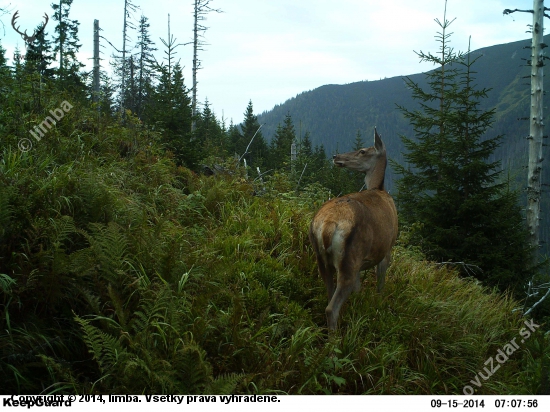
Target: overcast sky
x=268 y=51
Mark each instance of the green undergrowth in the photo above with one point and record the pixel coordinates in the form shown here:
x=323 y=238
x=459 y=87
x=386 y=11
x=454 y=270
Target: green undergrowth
x=120 y=273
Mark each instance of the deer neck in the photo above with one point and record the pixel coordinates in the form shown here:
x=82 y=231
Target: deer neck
x=374 y=179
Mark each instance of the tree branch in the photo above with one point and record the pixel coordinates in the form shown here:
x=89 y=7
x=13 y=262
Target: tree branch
x=246 y=151
x=508 y=11
x=469 y=268
x=104 y=38
x=539 y=302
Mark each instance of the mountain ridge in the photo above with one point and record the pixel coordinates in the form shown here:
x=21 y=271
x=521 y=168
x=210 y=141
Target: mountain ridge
x=305 y=106
x=334 y=113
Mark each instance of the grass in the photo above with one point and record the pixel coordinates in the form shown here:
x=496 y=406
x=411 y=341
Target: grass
x=129 y=275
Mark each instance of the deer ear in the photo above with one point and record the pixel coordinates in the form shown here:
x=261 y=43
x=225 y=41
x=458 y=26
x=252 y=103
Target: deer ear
x=378 y=143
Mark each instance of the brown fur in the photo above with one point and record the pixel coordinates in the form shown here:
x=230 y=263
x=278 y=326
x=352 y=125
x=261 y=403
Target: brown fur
x=355 y=232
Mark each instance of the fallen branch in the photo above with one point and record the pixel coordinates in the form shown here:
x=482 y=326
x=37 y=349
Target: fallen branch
x=538 y=302
x=468 y=267
x=300 y=179
x=249 y=143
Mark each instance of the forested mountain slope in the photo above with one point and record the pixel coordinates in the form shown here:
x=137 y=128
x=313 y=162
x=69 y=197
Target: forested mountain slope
x=334 y=113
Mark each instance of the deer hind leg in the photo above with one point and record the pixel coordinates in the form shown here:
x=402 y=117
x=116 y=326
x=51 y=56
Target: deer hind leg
x=357 y=284
x=343 y=290
x=326 y=271
x=381 y=272
x=348 y=280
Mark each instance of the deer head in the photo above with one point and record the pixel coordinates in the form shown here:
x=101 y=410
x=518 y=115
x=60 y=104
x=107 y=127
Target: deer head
x=372 y=161
x=28 y=39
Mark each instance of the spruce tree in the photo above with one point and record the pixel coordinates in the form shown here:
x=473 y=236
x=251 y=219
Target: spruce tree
x=234 y=138
x=279 y=153
x=8 y=119
x=306 y=150
x=320 y=155
x=66 y=44
x=209 y=134
x=358 y=143
x=145 y=63
x=130 y=91
x=258 y=150
x=450 y=188
x=170 y=111
x=321 y=168
x=39 y=56
x=32 y=68
x=107 y=93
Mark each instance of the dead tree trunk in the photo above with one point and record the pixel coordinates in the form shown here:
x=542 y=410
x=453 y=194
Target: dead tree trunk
x=536 y=127
x=95 y=87
x=195 y=63
x=61 y=38
x=201 y=8
x=129 y=7
x=123 y=80
x=536 y=130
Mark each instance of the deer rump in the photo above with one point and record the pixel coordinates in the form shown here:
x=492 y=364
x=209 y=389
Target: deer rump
x=351 y=233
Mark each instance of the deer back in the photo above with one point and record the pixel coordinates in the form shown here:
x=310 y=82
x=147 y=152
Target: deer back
x=362 y=225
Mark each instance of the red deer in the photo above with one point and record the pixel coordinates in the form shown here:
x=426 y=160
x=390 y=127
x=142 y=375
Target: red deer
x=355 y=232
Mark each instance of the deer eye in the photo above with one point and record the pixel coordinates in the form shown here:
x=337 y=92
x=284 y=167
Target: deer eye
x=362 y=151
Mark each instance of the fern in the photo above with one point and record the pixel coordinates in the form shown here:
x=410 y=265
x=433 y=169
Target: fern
x=6 y=211
x=105 y=348
x=83 y=262
x=152 y=316
x=223 y=384
x=149 y=355
x=60 y=374
x=111 y=250
x=91 y=300
x=118 y=305
x=194 y=372
x=63 y=227
x=98 y=198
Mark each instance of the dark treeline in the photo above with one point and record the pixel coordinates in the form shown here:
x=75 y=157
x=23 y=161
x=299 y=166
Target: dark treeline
x=157 y=95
